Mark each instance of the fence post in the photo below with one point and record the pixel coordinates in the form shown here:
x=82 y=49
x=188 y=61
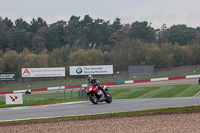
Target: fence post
x=64 y=93
x=58 y=98
x=72 y=93
x=79 y=94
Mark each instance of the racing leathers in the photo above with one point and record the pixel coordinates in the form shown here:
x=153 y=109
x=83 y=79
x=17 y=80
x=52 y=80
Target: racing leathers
x=95 y=82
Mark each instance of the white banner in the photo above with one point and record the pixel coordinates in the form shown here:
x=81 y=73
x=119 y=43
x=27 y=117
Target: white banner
x=43 y=72
x=14 y=99
x=94 y=70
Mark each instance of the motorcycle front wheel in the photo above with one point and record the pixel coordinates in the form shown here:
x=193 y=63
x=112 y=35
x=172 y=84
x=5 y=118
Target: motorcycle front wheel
x=109 y=98
x=93 y=98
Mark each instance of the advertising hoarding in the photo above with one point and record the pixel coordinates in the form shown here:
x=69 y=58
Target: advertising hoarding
x=43 y=72
x=8 y=76
x=141 y=70
x=94 y=70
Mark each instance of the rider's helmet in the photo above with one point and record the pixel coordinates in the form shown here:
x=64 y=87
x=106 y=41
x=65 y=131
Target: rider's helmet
x=90 y=78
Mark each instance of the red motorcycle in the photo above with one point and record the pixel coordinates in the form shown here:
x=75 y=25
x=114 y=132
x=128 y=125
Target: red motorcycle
x=96 y=95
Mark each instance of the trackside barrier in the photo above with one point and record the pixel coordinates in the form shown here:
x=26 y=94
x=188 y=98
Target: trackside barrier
x=159 y=79
x=107 y=83
x=120 y=82
x=180 y=77
x=142 y=80
x=192 y=76
x=129 y=82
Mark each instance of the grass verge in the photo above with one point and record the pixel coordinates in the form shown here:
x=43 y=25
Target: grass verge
x=185 y=90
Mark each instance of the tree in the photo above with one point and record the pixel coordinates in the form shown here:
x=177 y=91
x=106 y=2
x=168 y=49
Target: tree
x=36 y=24
x=6 y=35
x=11 y=60
x=28 y=59
x=83 y=58
x=154 y=56
x=96 y=57
x=180 y=55
x=162 y=34
x=142 y=31
x=21 y=39
x=38 y=44
x=42 y=59
x=86 y=34
x=181 y=34
x=20 y=24
x=193 y=54
x=72 y=30
x=108 y=58
x=8 y=22
x=197 y=35
x=59 y=57
x=121 y=57
x=167 y=54
x=120 y=34
x=56 y=37
x=2 y=65
x=116 y=25
x=93 y=33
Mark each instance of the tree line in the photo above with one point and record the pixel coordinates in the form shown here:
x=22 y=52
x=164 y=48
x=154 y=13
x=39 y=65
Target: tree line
x=126 y=53
x=95 y=42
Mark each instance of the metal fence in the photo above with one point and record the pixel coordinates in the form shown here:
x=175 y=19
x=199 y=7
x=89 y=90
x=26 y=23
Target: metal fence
x=60 y=94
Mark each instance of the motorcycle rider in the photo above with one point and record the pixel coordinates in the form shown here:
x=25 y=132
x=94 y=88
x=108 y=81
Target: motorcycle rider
x=95 y=82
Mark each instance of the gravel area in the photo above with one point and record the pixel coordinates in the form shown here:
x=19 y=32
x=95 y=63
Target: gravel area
x=176 y=122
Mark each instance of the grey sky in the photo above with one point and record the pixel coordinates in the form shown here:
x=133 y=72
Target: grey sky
x=155 y=11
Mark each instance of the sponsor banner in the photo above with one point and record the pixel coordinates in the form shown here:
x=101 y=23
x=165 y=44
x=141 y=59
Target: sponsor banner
x=43 y=72
x=94 y=70
x=14 y=99
x=8 y=76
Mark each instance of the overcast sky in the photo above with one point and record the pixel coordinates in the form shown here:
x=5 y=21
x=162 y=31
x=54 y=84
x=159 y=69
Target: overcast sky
x=155 y=11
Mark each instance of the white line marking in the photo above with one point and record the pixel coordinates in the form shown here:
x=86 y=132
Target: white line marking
x=54 y=117
x=197 y=94
x=39 y=106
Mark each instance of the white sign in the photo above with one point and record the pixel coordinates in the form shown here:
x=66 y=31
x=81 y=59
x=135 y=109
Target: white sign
x=14 y=98
x=43 y=72
x=94 y=70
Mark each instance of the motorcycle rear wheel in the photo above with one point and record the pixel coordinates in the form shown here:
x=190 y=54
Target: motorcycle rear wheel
x=109 y=98
x=93 y=98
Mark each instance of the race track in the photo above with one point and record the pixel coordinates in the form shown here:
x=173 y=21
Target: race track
x=82 y=108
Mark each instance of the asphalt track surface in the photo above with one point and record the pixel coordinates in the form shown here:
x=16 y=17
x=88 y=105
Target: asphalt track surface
x=83 y=108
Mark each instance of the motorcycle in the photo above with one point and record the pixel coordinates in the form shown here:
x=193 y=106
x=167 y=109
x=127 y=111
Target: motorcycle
x=96 y=95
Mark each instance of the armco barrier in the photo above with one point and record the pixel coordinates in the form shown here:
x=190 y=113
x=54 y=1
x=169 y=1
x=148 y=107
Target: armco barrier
x=73 y=86
x=6 y=92
x=40 y=89
x=180 y=77
x=142 y=80
x=108 y=83
x=120 y=82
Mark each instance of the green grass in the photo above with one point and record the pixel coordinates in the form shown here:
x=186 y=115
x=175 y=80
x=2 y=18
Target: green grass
x=45 y=98
x=185 y=90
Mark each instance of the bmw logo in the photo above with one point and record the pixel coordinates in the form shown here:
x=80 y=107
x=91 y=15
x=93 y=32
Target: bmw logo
x=79 y=70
